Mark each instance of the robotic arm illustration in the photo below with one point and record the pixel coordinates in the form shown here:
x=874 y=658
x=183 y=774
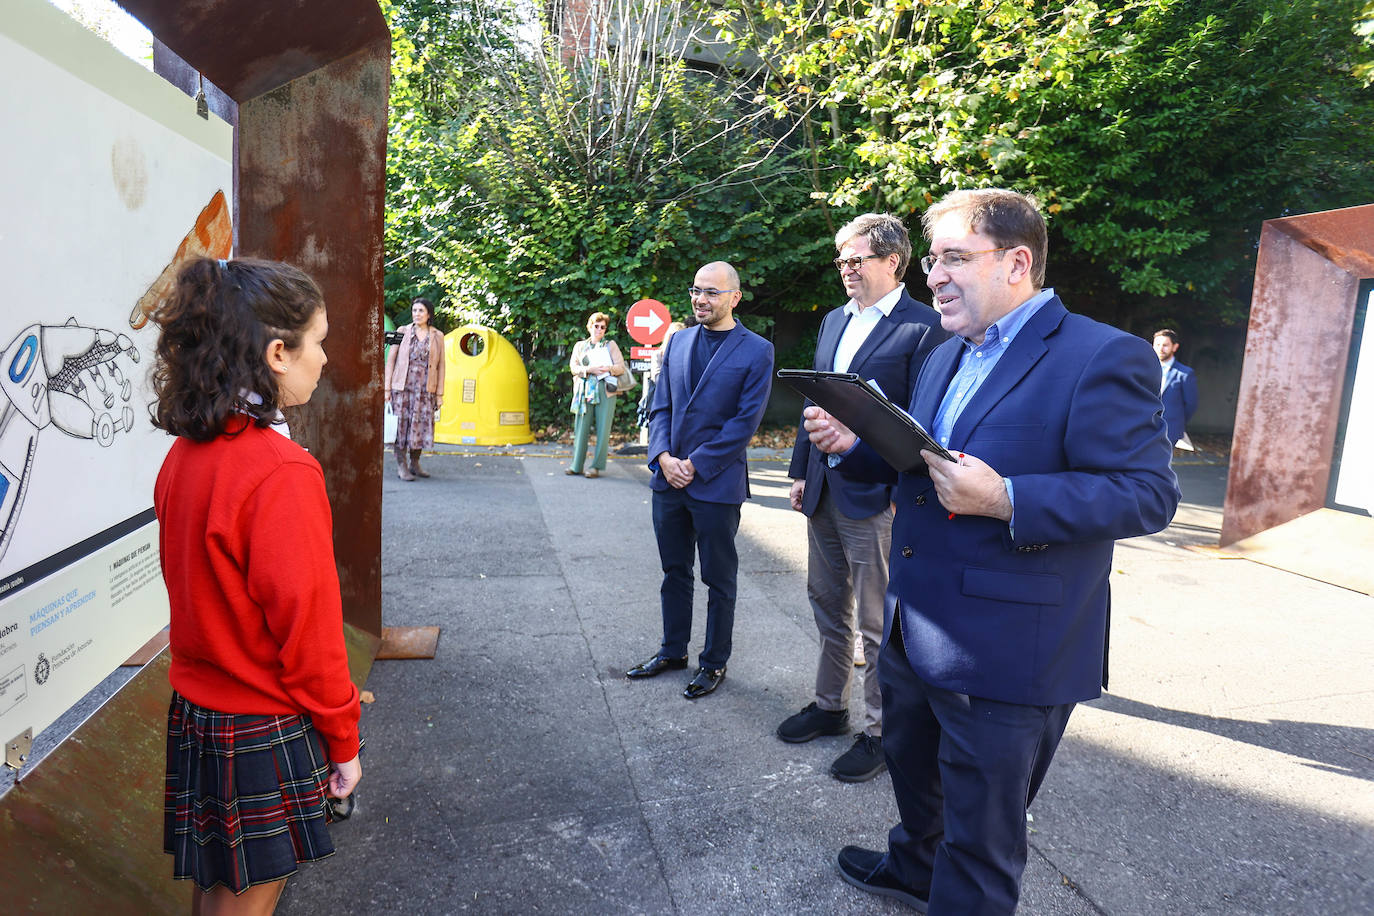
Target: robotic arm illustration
x=72 y=377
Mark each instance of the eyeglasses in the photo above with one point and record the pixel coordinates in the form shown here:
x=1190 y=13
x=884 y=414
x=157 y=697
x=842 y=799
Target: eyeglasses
x=599 y=324
x=695 y=291
x=953 y=260
x=854 y=263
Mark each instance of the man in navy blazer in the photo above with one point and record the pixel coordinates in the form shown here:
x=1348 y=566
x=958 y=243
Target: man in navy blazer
x=882 y=335
x=1177 y=385
x=709 y=400
x=1001 y=557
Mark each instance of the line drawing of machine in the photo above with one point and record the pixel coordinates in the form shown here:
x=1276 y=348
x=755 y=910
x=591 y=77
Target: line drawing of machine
x=68 y=376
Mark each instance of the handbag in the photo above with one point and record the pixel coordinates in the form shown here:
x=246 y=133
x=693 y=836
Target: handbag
x=619 y=384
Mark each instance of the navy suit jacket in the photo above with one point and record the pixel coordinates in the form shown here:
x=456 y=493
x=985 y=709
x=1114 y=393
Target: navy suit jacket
x=711 y=425
x=1179 y=398
x=1071 y=415
x=892 y=356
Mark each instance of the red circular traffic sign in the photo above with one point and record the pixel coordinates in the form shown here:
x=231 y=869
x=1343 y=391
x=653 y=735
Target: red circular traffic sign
x=647 y=321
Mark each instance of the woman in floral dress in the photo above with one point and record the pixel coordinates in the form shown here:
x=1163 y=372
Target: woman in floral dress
x=415 y=385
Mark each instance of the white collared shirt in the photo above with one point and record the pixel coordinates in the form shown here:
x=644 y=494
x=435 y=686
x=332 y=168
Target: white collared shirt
x=1164 y=368
x=861 y=323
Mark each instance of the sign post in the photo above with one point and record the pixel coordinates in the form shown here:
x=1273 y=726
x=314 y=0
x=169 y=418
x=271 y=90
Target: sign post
x=647 y=321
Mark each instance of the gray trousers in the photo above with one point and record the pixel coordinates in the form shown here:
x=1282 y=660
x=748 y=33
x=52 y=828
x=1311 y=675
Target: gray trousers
x=846 y=577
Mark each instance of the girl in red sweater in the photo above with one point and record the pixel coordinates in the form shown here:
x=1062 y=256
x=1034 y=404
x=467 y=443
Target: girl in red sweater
x=264 y=717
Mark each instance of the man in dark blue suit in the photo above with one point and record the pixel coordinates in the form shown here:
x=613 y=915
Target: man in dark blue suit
x=709 y=400
x=1177 y=387
x=1000 y=558
x=882 y=335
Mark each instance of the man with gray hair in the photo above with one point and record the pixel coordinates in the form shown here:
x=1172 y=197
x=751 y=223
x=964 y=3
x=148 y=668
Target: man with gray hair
x=882 y=334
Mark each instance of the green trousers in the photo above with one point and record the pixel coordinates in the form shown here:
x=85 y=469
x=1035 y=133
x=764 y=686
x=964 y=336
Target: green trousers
x=582 y=429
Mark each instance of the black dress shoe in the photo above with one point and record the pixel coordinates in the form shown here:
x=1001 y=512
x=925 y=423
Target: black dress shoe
x=867 y=870
x=703 y=682
x=656 y=666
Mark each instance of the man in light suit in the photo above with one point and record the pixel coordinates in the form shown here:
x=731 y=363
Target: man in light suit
x=708 y=402
x=883 y=335
x=1177 y=386
x=1000 y=557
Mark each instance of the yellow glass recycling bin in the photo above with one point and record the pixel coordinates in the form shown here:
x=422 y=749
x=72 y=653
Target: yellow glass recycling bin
x=486 y=390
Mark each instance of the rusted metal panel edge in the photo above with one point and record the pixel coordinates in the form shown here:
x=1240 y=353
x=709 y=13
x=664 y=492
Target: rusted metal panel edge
x=1326 y=545
x=249 y=47
x=408 y=643
x=86 y=824
x=1268 y=484
x=1345 y=237
x=362 y=649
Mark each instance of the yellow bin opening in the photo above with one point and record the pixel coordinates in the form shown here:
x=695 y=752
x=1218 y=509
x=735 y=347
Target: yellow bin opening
x=486 y=390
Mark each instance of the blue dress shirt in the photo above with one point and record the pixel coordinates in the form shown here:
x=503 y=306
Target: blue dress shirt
x=976 y=365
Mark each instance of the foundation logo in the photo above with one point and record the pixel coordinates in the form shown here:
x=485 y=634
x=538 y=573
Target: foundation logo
x=42 y=669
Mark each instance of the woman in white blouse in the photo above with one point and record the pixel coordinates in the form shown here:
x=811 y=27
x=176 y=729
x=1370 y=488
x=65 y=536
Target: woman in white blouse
x=593 y=361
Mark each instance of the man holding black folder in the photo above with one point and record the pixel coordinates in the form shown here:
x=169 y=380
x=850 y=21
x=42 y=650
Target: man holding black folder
x=1000 y=557
x=884 y=335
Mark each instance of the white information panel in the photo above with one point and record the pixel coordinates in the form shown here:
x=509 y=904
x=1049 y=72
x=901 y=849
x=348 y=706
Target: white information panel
x=108 y=180
x=1355 y=484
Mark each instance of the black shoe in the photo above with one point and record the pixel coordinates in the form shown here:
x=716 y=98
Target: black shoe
x=812 y=722
x=861 y=762
x=703 y=682
x=656 y=666
x=867 y=870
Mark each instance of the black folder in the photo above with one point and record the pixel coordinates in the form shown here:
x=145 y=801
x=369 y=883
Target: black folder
x=889 y=429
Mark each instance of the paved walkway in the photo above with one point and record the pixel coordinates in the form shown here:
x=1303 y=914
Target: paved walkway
x=1231 y=769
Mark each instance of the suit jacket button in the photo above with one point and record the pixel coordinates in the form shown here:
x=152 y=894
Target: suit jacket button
x=906 y=551
x=921 y=500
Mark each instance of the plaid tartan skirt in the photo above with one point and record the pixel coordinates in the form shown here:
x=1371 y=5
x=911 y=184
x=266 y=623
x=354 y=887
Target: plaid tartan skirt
x=245 y=797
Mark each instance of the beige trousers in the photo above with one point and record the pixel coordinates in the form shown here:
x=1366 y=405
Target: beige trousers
x=846 y=580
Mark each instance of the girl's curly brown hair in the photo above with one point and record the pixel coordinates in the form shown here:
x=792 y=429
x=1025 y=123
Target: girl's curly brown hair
x=211 y=356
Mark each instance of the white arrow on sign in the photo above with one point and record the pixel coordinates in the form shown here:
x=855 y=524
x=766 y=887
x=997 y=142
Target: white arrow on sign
x=650 y=321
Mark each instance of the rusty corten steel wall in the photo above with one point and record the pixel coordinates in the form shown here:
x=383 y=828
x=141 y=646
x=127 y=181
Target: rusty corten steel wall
x=249 y=47
x=1307 y=280
x=311 y=81
x=312 y=186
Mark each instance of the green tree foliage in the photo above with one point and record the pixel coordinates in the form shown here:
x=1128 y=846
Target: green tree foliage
x=532 y=186
x=1158 y=134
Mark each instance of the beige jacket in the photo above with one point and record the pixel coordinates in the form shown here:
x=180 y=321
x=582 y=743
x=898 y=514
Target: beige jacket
x=398 y=361
x=577 y=363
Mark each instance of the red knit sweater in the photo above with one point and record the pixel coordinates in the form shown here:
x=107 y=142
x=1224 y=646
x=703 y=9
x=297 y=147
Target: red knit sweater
x=248 y=557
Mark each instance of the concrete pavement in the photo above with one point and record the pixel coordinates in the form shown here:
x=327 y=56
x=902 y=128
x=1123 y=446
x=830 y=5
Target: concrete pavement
x=1230 y=769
